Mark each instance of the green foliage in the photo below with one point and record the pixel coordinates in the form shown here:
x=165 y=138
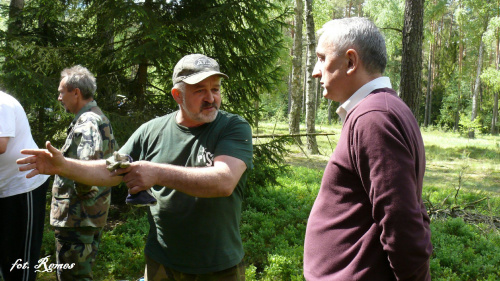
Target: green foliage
x=118 y=40
x=287 y=265
x=388 y=16
x=452 y=103
x=273 y=225
x=268 y=161
x=491 y=77
x=274 y=106
x=122 y=249
x=464 y=251
x=467 y=125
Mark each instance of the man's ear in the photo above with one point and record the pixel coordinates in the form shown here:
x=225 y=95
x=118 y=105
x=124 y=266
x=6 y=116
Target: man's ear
x=353 y=61
x=176 y=94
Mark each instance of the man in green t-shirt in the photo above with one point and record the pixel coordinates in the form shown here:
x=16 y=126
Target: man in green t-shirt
x=194 y=161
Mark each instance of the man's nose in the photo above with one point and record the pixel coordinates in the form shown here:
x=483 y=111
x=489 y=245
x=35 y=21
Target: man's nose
x=209 y=97
x=316 y=71
x=59 y=98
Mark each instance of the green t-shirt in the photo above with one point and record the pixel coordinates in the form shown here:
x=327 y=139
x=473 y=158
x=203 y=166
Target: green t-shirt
x=190 y=234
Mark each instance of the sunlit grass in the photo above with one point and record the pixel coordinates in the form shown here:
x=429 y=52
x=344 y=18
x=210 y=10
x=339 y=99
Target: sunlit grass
x=452 y=159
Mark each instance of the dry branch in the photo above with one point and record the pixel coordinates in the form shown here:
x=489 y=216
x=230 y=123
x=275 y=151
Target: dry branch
x=292 y=135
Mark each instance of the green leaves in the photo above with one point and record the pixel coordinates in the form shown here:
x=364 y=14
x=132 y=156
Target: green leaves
x=463 y=251
x=116 y=39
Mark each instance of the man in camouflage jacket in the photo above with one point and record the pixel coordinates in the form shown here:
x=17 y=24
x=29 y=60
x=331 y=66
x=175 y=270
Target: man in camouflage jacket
x=78 y=211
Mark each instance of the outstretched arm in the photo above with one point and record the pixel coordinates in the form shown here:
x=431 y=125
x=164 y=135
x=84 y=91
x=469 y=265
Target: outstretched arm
x=215 y=181
x=50 y=161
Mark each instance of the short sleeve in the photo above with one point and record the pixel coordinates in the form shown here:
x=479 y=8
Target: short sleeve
x=236 y=141
x=8 y=123
x=133 y=145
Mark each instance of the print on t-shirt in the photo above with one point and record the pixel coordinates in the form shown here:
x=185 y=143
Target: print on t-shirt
x=204 y=158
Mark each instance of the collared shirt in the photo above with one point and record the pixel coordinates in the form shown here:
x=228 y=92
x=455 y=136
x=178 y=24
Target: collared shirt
x=360 y=94
x=90 y=137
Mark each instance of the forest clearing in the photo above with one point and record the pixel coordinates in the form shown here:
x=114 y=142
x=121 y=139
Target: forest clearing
x=461 y=188
x=442 y=60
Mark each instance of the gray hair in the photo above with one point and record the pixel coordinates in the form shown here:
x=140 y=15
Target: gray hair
x=181 y=86
x=80 y=77
x=360 y=34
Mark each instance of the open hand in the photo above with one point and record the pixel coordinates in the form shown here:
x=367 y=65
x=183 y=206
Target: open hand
x=42 y=161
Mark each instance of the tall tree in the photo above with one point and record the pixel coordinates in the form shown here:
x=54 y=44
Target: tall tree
x=15 y=22
x=411 y=64
x=477 y=85
x=494 y=118
x=105 y=72
x=146 y=37
x=491 y=76
x=312 y=145
x=461 y=52
x=428 y=96
x=296 y=102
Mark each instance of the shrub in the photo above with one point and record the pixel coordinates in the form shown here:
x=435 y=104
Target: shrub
x=121 y=252
x=273 y=225
x=464 y=251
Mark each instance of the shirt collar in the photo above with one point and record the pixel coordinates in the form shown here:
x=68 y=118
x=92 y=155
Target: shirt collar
x=361 y=93
x=84 y=109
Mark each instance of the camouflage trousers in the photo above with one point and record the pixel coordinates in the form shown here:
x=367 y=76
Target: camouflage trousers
x=77 y=249
x=157 y=272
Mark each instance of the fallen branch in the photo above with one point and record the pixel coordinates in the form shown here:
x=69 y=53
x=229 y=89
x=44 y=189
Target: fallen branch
x=475 y=202
x=292 y=135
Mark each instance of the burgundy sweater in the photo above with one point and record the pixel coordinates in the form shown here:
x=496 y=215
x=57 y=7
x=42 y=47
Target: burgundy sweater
x=368 y=221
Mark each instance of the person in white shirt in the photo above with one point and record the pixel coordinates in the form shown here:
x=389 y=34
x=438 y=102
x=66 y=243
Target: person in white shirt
x=22 y=200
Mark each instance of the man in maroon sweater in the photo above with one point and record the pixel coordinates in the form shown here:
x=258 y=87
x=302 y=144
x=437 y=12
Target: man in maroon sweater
x=368 y=221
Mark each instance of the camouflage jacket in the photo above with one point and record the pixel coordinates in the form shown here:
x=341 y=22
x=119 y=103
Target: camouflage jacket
x=90 y=137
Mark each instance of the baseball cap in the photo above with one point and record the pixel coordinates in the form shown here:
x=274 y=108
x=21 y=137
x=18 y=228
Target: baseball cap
x=194 y=68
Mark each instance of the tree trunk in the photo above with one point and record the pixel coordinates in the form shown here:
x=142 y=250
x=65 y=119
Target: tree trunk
x=140 y=83
x=329 y=112
x=460 y=62
x=428 y=97
x=494 y=119
x=477 y=85
x=256 y=105
x=296 y=102
x=312 y=145
x=15 y=25
x=13 y=28
x=105 y=36
x=457 y=112
x=15 y=9
x=411 y=65
x=289 y=92
x=141 y=79
x=349 y=7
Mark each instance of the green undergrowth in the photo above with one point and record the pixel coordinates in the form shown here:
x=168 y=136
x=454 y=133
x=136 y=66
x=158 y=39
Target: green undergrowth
x=275 y=219
x=273 y=226
x=274 y=223
x=121 y=253
x=464 y=251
